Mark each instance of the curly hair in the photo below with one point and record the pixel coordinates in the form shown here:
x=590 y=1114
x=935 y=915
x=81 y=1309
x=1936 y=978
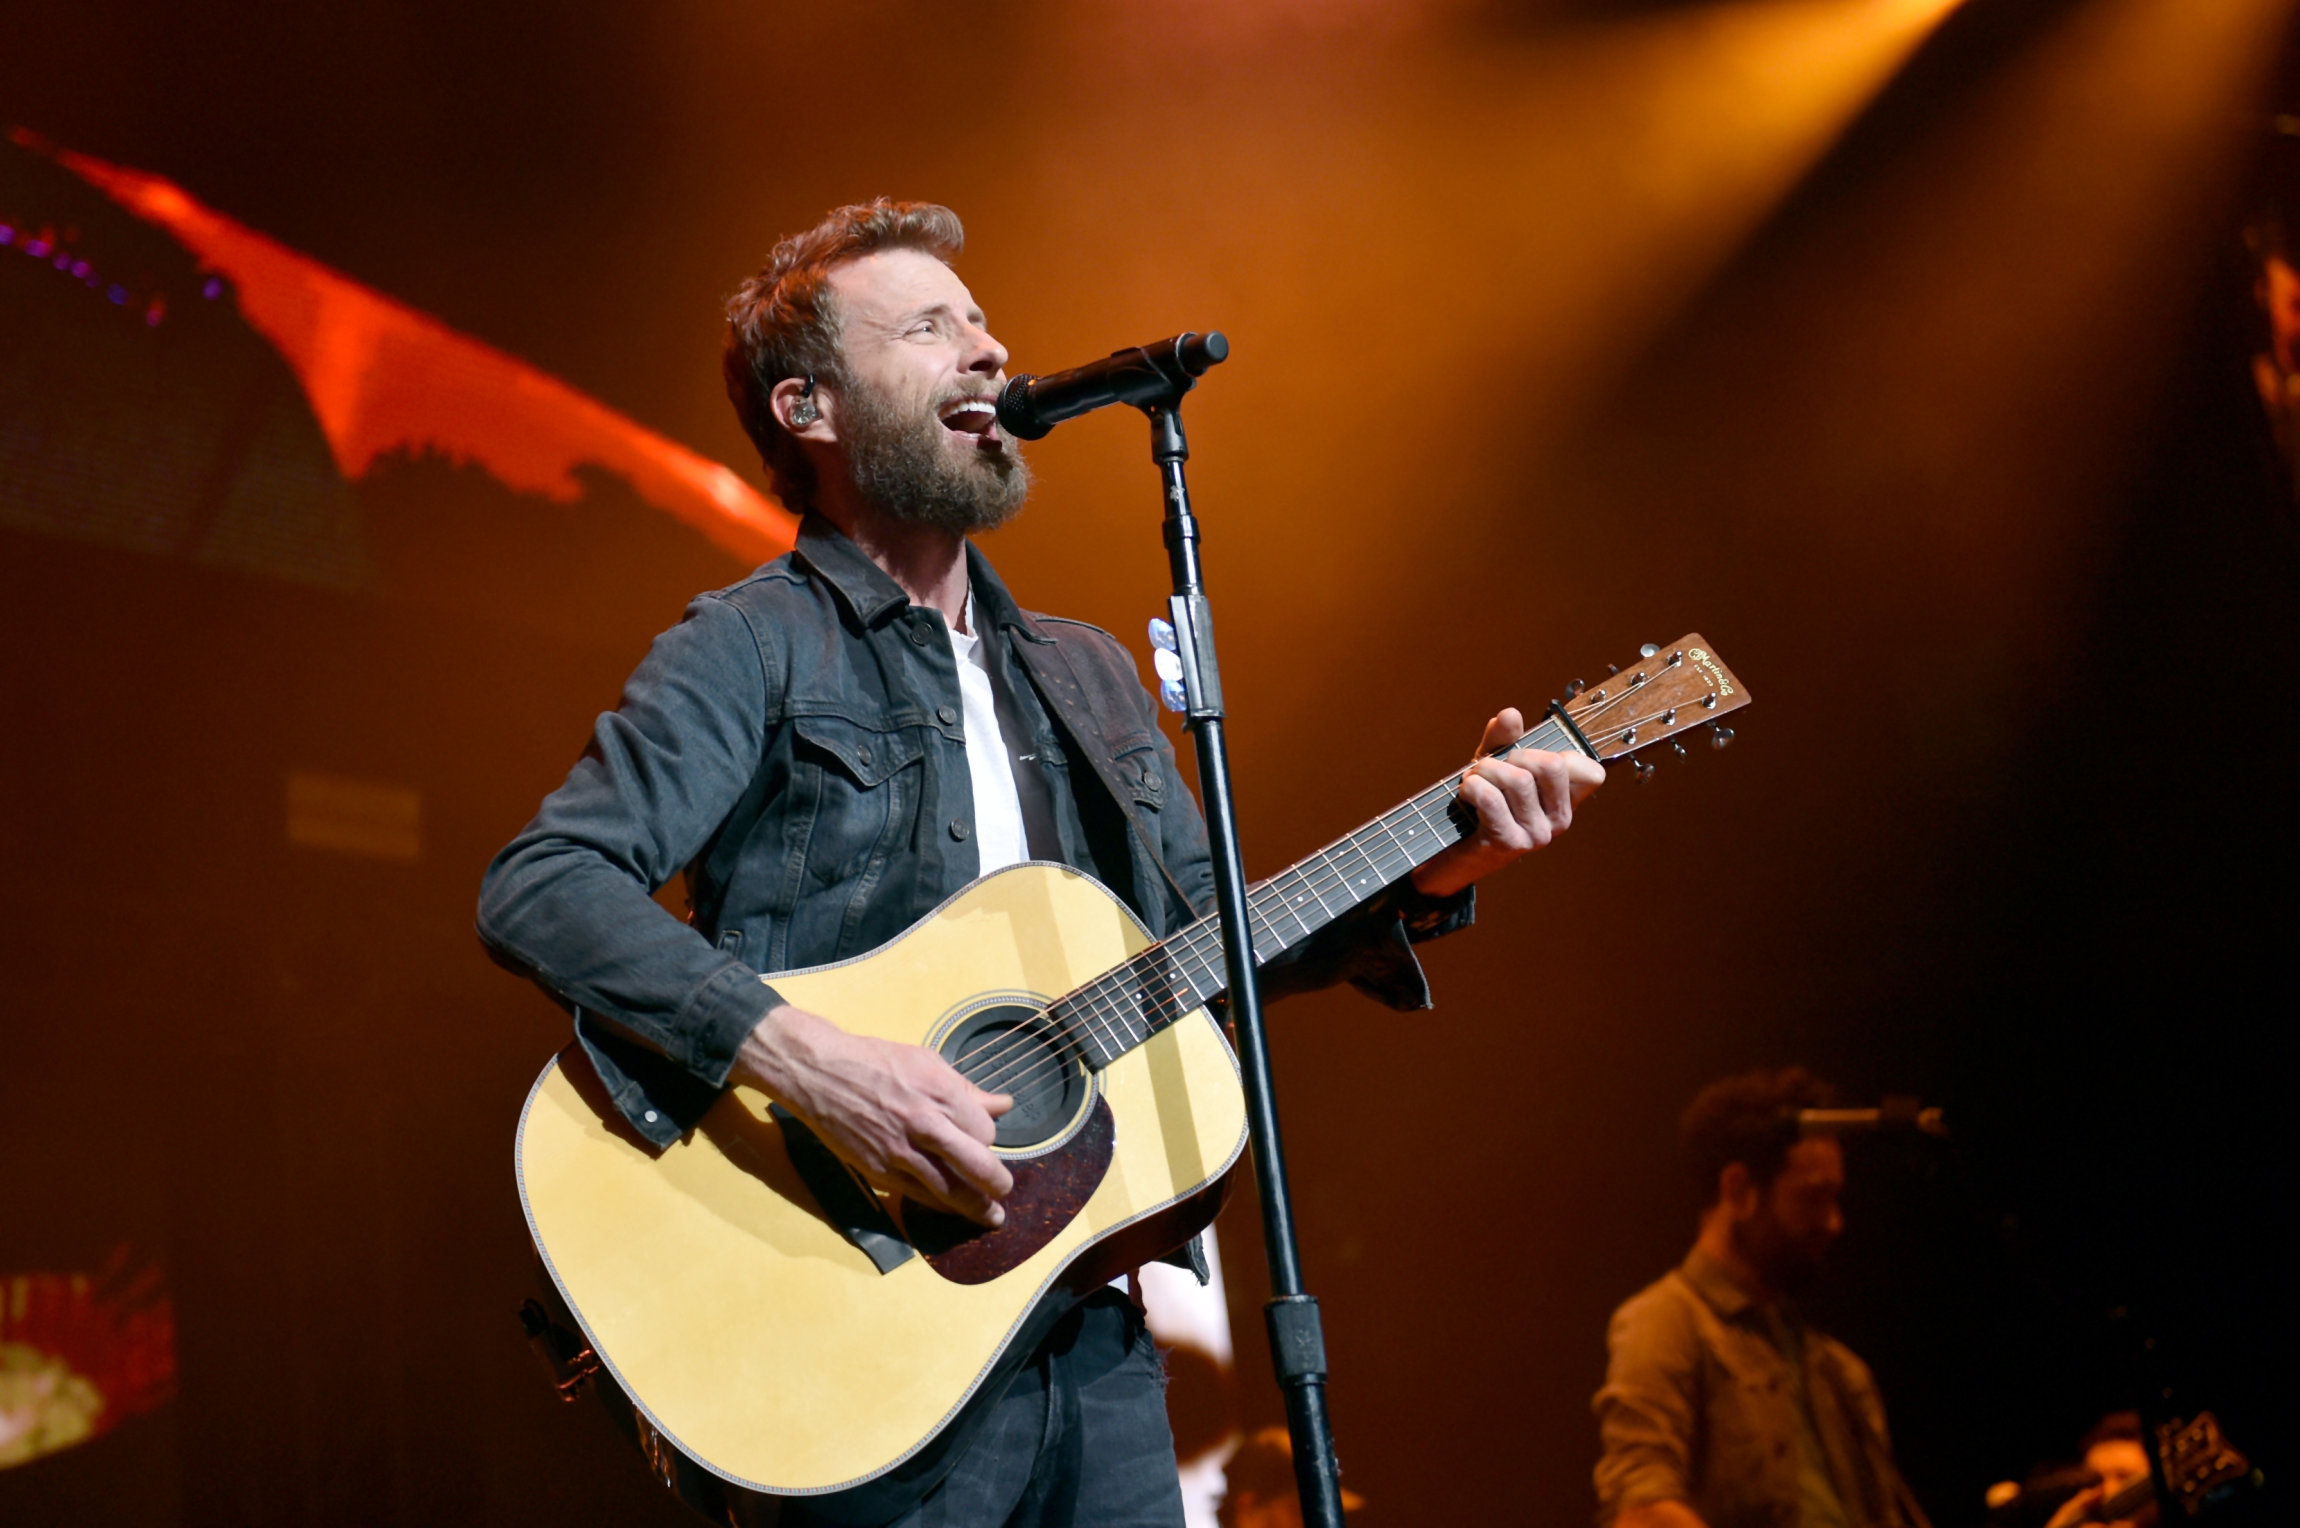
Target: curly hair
x=783 y=323
x=1750 y=1118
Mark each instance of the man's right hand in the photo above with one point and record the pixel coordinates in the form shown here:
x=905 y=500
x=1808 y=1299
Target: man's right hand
x=899 y=1114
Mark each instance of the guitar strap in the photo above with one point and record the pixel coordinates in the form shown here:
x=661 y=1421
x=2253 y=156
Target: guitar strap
x=1057 y=682
x=1899 y=1508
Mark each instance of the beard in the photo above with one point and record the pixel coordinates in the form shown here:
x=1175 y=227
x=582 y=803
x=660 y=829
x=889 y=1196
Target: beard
x=902 y=466
x=1791 y=1264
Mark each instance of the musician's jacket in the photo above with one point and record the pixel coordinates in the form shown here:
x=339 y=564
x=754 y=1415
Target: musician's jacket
x=794 y=747
x=1742 y=1413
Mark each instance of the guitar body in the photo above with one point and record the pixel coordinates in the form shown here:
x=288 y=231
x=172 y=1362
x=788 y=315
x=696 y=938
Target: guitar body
x=752 y=1334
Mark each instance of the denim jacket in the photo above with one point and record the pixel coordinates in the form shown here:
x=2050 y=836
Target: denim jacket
x=794 y=746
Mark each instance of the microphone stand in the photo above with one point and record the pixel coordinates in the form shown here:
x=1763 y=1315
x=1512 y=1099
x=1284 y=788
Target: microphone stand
x=1297 y=1339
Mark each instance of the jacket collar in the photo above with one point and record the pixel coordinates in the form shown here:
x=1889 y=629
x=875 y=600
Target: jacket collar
x=993 y=606
x=861 y=585
x=870 y=595
x=1714 y=1285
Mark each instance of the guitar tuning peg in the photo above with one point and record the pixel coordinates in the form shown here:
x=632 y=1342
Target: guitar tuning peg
x=1575 y=688
x=1719 y=736
x=1680 y=748
x=1641 y=770
x=1612 y=669
x=1648 y=649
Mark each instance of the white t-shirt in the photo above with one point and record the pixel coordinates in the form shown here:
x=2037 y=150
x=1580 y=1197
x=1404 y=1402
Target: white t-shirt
x=1013 y=820
x=999 y=835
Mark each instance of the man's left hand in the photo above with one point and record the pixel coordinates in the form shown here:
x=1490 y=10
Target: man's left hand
x=1522 y=802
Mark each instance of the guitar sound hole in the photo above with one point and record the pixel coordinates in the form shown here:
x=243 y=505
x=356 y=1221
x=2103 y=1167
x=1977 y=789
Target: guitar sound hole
x=1013 y=1049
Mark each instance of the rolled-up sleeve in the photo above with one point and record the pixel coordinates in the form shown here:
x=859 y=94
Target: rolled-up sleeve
x=569 y=902
x=1647 y=1413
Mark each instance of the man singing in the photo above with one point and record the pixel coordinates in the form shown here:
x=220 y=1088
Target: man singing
x=1721 y=1407
x=833 y=746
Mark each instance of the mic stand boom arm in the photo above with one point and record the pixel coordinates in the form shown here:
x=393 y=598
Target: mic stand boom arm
x=1297 y=1340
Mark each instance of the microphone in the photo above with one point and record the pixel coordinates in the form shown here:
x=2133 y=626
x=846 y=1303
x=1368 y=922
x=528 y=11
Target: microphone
x=1143 y=376
x=1892 y=1114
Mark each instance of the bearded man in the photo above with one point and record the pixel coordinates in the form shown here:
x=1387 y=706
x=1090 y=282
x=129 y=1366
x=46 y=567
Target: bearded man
x=1721 y=1407
x=830 y=749
x=2117 y=1451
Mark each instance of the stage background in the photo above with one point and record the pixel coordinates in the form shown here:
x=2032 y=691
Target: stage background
x=1900 y=349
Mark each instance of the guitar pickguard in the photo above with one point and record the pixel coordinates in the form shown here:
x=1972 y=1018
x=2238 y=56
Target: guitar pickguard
x=1049 y=1191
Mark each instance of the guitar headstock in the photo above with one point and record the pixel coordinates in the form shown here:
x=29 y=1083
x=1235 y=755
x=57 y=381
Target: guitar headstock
x=1664 y=692
x=2198 y=1461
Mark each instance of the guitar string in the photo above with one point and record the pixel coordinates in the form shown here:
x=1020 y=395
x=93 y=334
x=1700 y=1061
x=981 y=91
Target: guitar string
x=1191 y=947
x=1322 y=872
x=1191 y=943
x=1156 y=979
x=1034 y=1054
x=1028 y=1046
x=1097 y=1002
x=1026 y=1043
x=1165 y=991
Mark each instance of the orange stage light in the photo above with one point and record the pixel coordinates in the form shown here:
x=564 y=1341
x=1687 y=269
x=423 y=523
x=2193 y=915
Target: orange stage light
x=79 y=1354
x=384 y=377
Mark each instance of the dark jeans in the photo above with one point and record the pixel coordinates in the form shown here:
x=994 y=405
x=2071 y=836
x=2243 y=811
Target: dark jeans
x=1081 y=1439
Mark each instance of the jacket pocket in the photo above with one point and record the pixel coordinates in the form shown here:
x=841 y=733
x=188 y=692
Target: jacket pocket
x=861 y=790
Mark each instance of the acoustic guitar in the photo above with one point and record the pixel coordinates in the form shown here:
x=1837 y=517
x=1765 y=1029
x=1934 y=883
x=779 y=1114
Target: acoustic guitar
x=766 y=1326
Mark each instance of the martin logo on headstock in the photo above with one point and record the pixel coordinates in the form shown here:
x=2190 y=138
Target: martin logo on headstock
x=1667 y=691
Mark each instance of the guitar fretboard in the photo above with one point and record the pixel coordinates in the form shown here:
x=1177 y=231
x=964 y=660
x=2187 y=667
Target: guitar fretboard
x=1126 y=1005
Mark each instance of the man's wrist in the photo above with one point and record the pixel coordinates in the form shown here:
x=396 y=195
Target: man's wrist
x=779 y=1037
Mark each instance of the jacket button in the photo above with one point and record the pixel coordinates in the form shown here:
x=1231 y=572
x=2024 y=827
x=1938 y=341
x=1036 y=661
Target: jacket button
x=946 y=714
x=959 y=830
x=863 y=754
x=917 y=634
x=1150 y=779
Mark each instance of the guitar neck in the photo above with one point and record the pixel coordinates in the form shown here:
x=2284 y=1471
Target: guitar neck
x=2126 y=1502
x=1125 y=1006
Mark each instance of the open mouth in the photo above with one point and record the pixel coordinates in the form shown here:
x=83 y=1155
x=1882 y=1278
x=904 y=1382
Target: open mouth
x=975 y=414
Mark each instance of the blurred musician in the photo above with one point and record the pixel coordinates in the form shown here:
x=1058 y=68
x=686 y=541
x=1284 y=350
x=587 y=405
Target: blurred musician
x=1721 y=1407
x=2113 y=1450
